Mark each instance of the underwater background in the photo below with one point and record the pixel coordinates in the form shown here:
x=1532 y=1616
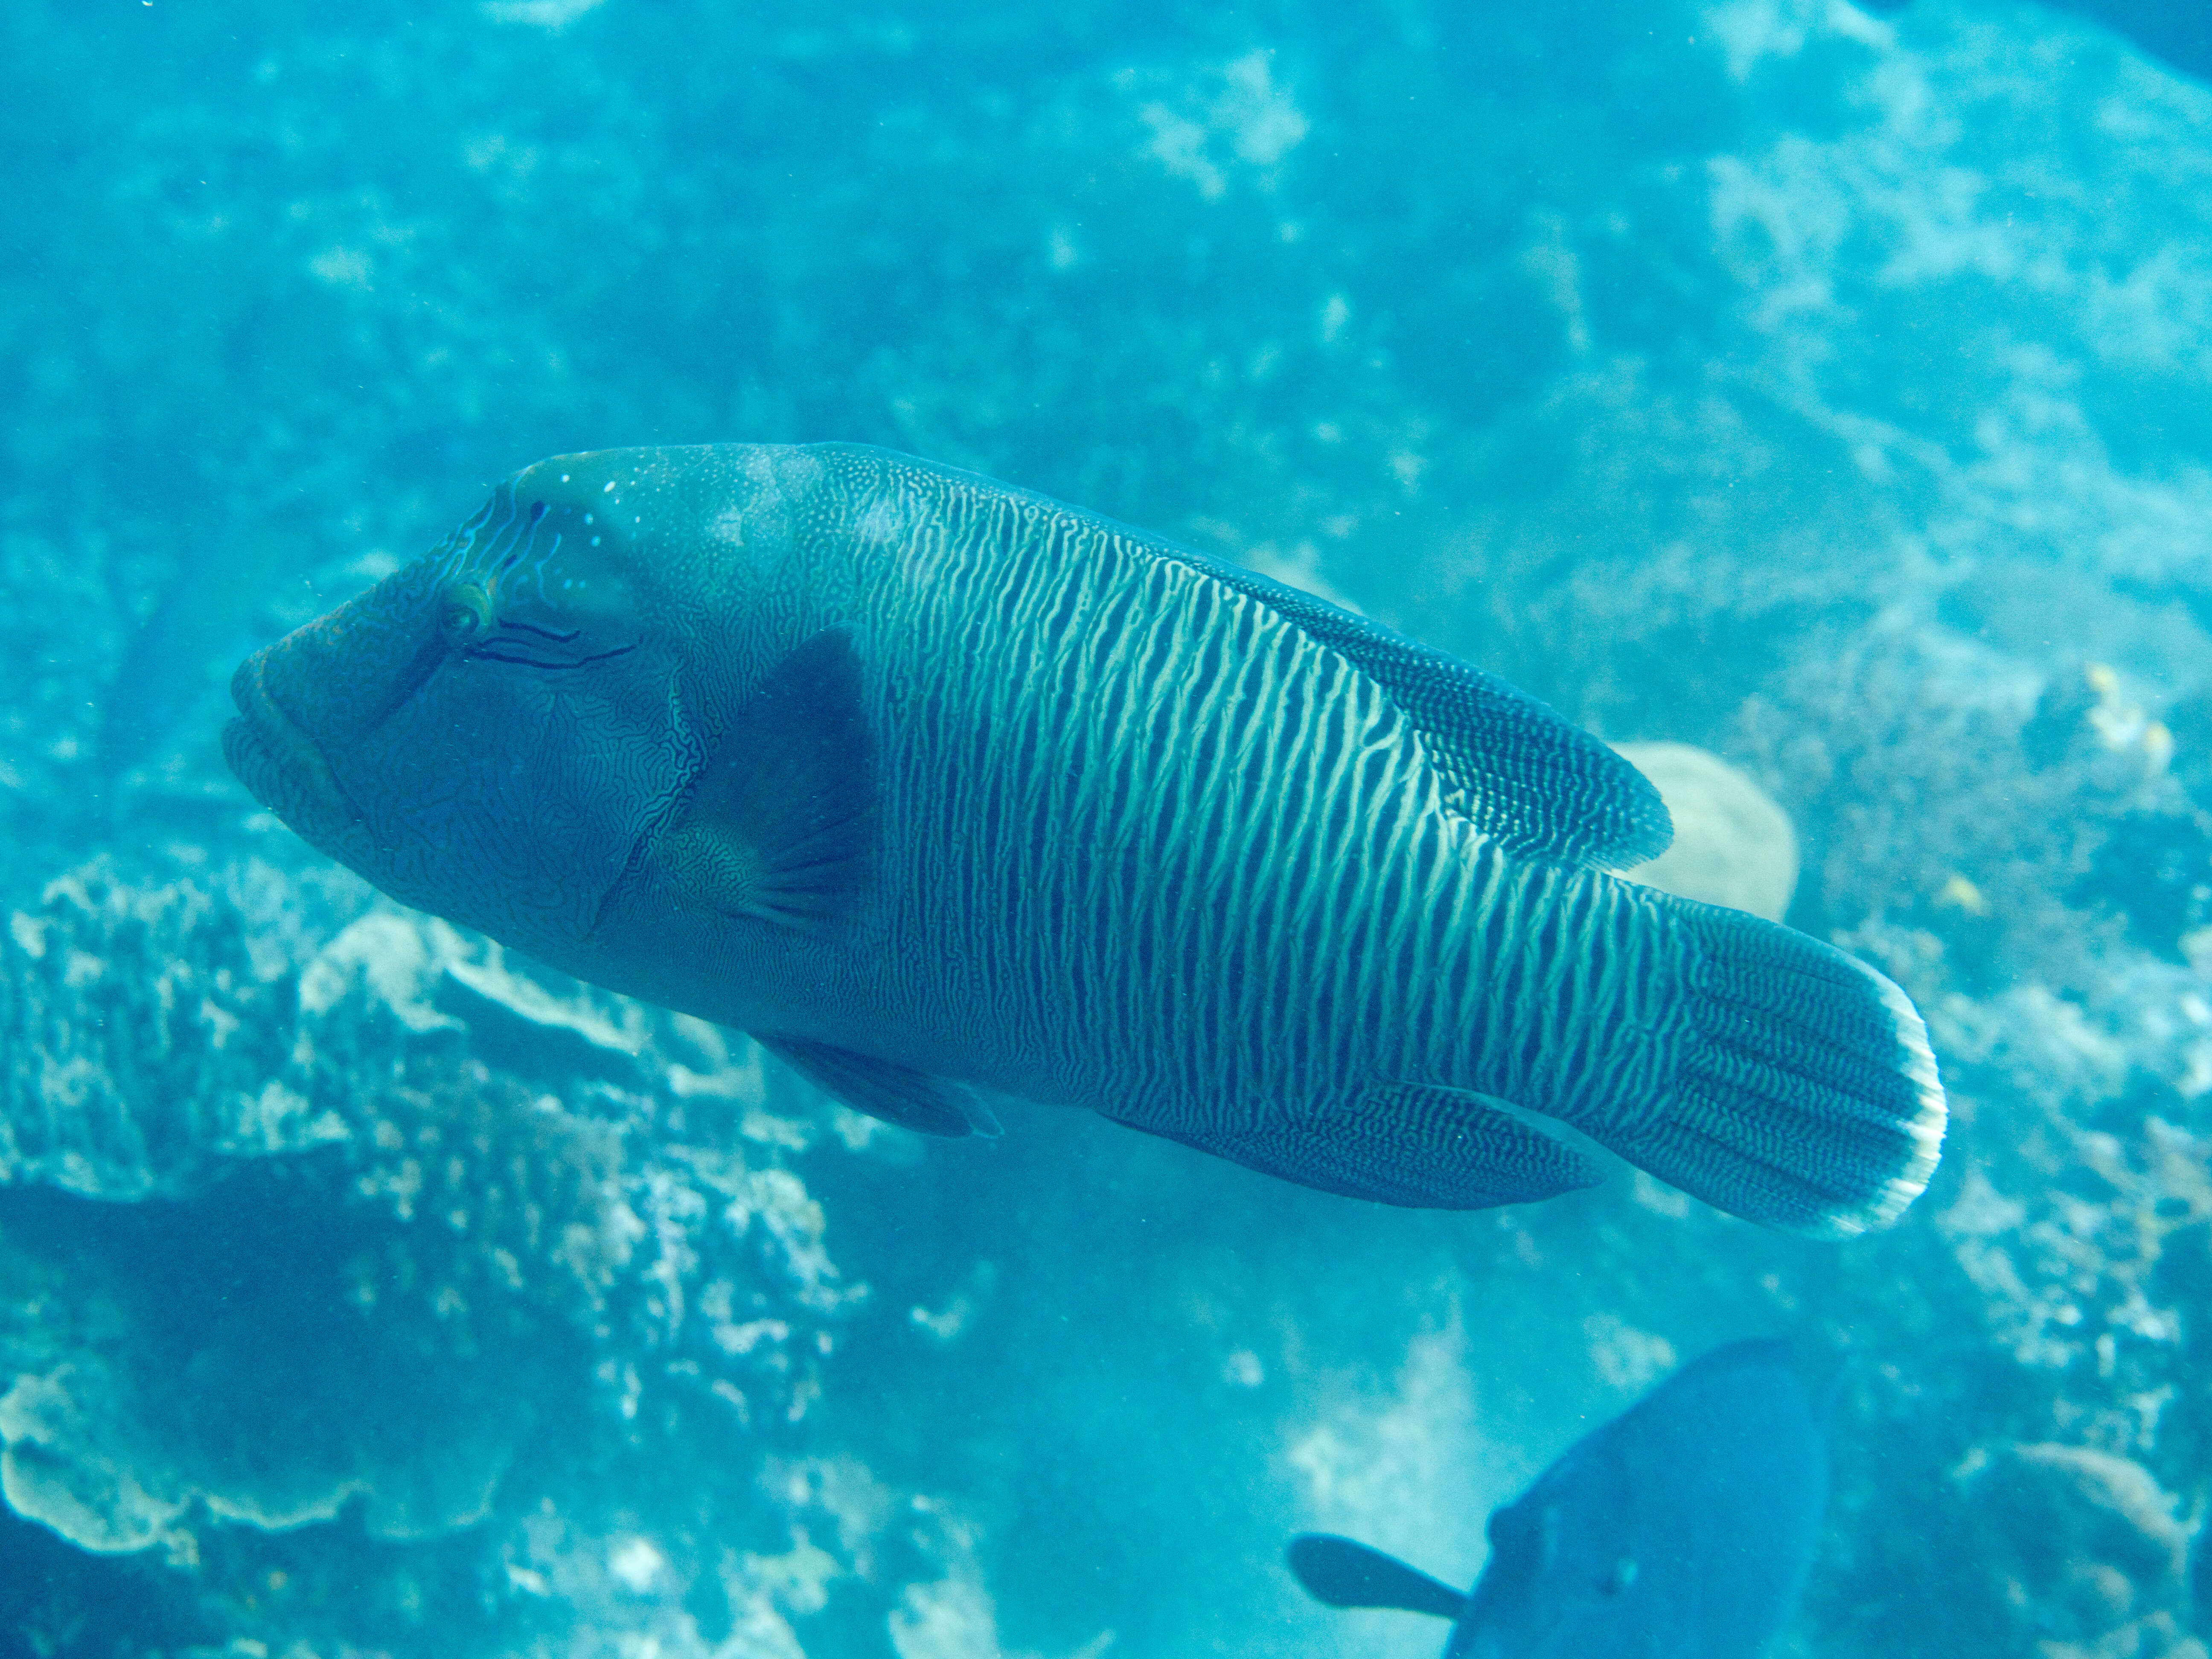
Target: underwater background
x=1828 y=389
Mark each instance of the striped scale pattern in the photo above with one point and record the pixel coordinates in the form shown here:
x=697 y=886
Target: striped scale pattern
x=1150 y=822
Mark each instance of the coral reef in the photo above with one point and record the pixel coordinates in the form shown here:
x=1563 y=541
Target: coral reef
x=1968 y=830
x=145 y=1046
x=300 y=1229
x=2087 y=1551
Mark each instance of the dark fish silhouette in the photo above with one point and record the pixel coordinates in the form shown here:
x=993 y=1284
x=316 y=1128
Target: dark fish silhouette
x=1681 y=1529
x=939 y=787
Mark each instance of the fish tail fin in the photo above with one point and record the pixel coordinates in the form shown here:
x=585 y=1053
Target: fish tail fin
x=1338 y=1572
x=1805 y=1094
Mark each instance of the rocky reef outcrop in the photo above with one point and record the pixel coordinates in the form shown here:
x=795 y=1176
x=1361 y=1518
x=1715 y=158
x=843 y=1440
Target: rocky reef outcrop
x=314 y=1208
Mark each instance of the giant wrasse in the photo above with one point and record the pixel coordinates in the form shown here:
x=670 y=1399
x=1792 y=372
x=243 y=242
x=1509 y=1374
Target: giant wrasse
x=1681 y=1529
x=946 y=791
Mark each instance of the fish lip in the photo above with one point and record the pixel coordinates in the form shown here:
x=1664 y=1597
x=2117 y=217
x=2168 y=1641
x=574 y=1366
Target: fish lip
x=280 y=764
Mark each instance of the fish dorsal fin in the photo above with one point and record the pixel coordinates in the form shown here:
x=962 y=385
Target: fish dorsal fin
x=778 y=825
x=913 y=1100
x=1528 y=778
x=1339 y=1573
x=1523 y=775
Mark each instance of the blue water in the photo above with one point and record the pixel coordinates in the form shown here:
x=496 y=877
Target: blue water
x=1826 y=389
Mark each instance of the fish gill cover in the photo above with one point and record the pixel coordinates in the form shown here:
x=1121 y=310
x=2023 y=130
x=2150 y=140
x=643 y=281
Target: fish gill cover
x=1819 y=389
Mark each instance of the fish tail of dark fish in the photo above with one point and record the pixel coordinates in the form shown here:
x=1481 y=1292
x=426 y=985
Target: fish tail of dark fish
x=1341 y=1572
x=1805 y=1095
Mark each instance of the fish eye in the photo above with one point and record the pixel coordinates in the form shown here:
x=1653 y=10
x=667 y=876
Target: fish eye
x=464 y=612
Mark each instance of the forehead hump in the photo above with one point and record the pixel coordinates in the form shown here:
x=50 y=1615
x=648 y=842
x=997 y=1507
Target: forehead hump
x=678 y=518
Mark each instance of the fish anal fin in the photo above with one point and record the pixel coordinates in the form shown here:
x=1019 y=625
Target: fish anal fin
x=1338 y=1572
x=913 y=1100
x=1415 y=1147
x=779 y=824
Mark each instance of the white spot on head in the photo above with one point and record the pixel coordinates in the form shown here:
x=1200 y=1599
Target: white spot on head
x=564 y=477
x=608 y=488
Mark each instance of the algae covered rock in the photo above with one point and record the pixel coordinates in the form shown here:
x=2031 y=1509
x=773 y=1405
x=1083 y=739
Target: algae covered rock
x=2083 y=1549
x=1734 y=845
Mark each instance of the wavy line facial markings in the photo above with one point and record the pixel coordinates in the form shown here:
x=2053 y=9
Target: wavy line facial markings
x=484 y=653
x=458 y=552
x=559 y=636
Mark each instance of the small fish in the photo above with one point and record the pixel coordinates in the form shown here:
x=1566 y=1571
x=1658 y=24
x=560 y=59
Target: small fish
x=945 y=792
x=1681 y=1529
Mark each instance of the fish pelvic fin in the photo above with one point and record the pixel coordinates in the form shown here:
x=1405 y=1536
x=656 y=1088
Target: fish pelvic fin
x=1417 y=1148
x=1805 y=1097
x=913 y=1100
x=1338 y=1572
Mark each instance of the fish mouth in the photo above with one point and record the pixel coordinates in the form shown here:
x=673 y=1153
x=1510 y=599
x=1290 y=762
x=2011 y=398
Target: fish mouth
x=284 y=769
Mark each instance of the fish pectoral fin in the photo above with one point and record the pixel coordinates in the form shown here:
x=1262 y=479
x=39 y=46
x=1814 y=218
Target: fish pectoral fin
x=913 y=1100
x=779 y=824
x=1337 y=1572
x=1420 y=1148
